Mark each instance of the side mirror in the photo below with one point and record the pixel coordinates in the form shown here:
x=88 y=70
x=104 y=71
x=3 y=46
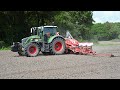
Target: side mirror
x=31 y=30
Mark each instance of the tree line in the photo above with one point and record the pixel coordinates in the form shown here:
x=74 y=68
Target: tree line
x=15 y=25
x=105 y=31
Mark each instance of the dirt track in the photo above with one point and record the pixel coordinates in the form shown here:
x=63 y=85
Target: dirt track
x=61 y=66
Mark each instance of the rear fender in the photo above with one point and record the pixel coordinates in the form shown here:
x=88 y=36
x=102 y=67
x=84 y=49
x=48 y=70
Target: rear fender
x=56 y=36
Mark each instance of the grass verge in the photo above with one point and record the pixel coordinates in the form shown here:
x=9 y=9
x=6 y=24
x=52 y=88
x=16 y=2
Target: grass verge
x=5 y=48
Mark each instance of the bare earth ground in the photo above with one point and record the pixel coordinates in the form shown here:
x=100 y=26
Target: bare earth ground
x=62 y=66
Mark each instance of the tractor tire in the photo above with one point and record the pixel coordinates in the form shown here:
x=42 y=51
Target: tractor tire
x=58 y=46
x=20 y=52
x=32 y=50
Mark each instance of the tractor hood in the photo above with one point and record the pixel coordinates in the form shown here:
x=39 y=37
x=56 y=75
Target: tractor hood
x=28 y=39
x=34 y=36
x=53 y=37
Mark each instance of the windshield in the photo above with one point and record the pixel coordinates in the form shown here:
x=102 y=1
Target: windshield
x=51 y=30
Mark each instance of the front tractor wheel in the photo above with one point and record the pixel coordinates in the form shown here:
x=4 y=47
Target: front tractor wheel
x=58 y=46
x=32 y=50
x=20 y=52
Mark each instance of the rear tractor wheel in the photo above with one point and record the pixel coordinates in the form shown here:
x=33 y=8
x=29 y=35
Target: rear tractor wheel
x=58 y=46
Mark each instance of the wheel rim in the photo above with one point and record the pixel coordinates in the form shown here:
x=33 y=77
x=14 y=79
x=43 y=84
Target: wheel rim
x=32 y=49
x=58 y=46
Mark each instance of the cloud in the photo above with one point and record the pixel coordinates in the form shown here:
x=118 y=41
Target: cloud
x=104 y=16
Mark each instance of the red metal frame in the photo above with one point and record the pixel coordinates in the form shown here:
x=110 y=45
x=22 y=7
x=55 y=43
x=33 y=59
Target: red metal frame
x=73 y=45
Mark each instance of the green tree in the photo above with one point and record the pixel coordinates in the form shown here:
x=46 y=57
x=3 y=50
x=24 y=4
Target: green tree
x=78 y=22
x=15 y=25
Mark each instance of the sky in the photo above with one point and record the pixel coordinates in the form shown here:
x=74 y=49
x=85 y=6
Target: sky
x=104 y=16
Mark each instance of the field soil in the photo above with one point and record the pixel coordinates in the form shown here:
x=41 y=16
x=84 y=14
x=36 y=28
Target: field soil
x=68 y=66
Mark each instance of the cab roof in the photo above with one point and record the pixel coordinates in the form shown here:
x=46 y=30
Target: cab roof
x=45 y=26
x=49 y=26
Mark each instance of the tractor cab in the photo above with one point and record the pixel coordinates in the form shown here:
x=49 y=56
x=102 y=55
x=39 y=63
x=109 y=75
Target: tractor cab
x=48 y=32
x=52 y=30
x=44 y=31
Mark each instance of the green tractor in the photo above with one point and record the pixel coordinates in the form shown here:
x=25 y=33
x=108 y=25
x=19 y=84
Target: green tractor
x=43 y=39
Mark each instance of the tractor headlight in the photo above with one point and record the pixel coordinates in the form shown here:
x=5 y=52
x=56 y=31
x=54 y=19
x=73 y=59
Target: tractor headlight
x=36 y=40
x=24 y=40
